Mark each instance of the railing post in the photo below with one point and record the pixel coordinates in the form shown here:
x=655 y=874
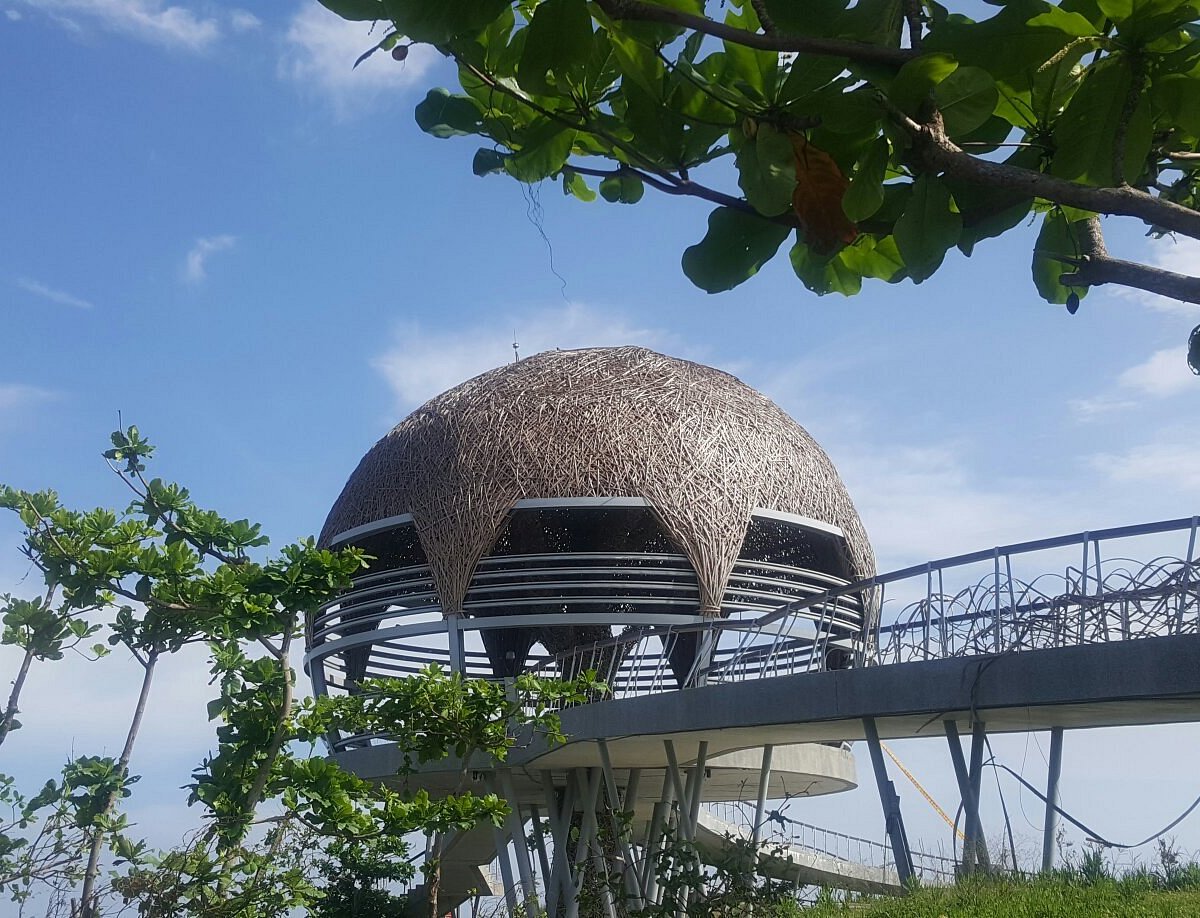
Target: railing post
x=997 y=622
x=1185 y=581
x=1082 y=604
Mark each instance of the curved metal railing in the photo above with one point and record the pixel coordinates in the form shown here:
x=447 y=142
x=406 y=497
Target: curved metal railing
x=781 y=831
x=1065 y=591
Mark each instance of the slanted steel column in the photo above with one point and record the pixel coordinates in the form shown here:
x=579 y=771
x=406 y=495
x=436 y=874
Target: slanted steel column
x=506 y=874
x=1052 y=776
x=516 y=829
x=764 y=781
x=618 y=827
x=974 y=844
x=558 y=885
x=539 y=841
x=696 y=787
x=901 y=853
x=975 y=778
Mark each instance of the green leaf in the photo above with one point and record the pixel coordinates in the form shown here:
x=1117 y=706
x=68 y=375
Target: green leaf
x=438 y=23
x=870 y=257
x=1086 y=132
x=767 y=171
x=807 y=74
x=917 y=78
x=1178 y=95
x=574 y=184
x=1055 y=241
x=558 y=41
x=824 y=274
x=544 y=151
x=488 y=161
x=1009 y=46
x=356 y=10
x=966 y=99
x=625 y=188
x=929 y=226
x=865 y=195
x=1116 y=10
x=444 y=115
x=736 y=245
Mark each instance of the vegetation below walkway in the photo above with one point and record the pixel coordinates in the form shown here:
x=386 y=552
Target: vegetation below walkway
x=1065 y=895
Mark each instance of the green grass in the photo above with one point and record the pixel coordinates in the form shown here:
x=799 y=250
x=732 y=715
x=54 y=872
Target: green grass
x=1139 y=895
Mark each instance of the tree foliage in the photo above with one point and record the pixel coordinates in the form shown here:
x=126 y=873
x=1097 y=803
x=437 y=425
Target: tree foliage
x=281 y=827
x=867 y=139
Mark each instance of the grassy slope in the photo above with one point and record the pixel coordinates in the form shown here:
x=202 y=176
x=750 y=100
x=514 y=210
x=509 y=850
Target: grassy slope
x=1039 y=899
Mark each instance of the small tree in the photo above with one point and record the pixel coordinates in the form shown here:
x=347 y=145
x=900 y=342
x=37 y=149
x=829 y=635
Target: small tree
x=165 y=574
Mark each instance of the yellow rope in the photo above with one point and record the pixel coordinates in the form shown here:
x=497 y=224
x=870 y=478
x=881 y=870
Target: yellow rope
x=924 y=793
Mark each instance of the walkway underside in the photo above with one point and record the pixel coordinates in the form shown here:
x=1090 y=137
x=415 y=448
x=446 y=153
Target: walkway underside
x=1151 y=681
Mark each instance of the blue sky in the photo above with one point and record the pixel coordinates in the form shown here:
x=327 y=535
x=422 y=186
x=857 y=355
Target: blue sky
x=214 y=227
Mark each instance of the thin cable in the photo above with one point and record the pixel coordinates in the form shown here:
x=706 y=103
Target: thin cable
x=1012 y=845
x=1092 y=833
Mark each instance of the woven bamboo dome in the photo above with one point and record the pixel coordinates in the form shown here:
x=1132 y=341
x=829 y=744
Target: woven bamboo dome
x=702 y=447
x=704 y=452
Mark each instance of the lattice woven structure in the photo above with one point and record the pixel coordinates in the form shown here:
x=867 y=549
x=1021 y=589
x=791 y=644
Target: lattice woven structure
x=701 y=447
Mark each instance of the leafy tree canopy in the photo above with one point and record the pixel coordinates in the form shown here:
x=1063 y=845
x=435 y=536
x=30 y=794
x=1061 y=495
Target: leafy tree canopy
x=866 y=138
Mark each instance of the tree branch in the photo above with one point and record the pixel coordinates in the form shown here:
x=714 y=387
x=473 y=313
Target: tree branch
x=690 y=189
x=940 y=153
x=764 y=17
x=827 y=47
x=1096 y=268
x=912 y=15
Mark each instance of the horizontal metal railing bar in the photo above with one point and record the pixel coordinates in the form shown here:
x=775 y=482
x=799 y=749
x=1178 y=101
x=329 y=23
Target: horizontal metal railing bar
x=988 y=554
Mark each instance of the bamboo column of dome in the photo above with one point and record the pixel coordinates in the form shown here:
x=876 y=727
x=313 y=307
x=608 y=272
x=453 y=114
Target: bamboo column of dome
x=700 y=446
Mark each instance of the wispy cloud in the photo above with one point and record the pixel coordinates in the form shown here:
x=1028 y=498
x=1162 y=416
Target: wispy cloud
x=320 y=52
x=16 y=399
x=61 y=297
x=1169 y=462
x=145 y=20
x=1161 y=375
x=196 y=267
x=421 y=363
x=1164 y=373
x=244 y=21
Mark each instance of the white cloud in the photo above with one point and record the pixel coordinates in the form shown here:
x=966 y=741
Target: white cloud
x=54 y=296
x=145 y=20
x=1167 y=464
x=197 y=259
x=321 y=51
x=13 y=15
x=17 y=396
x=1164 y=373
x=244 y=21
x=420 y=363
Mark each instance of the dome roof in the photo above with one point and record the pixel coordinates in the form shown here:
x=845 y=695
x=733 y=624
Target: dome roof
x=701 y=447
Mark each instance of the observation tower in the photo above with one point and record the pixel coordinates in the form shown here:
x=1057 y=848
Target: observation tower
x=600 y=509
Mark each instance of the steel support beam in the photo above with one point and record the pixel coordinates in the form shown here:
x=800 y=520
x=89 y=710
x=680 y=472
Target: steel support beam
x=1052 y=775
x=901 y=853
x=974 y=844
x=764 y=781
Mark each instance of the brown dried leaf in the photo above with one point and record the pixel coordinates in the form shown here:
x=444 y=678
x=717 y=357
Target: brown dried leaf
x=817 y=200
